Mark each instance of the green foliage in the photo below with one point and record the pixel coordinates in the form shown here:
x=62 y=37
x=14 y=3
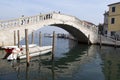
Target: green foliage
x=100 y=28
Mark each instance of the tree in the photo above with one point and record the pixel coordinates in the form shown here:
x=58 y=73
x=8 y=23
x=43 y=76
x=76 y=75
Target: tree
x=100 y=29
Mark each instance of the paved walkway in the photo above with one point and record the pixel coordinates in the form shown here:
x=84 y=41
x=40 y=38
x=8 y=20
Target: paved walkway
x=108 y=41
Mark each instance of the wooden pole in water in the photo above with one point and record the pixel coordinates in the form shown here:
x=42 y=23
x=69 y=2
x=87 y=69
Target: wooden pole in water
x=18 y=32
x=89 y=39
x=53 y=45
x=32 y=37
x=115 y=41
x=2 y=43
x=27 y=48
x=100 y=41
x=40 y=39
x=14 y=38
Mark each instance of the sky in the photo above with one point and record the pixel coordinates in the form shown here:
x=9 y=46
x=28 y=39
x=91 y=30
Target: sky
x=89 y=10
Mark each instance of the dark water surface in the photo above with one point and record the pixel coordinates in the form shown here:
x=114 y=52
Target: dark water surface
x=72 y=62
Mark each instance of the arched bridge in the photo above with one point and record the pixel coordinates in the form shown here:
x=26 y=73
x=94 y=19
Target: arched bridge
x=81 y=30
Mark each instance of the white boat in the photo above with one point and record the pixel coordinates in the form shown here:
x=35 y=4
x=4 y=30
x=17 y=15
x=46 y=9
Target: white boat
x=14 y=53
x=35 y=51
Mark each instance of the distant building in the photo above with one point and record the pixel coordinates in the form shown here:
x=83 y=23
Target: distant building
x=112 y=20
x=105 y=24
x=89 y=23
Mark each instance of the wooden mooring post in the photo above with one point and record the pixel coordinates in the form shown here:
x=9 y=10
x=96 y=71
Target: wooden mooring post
x=2 y=43
x=115 y=41
x=89 y=39
x=14 y=38
x=100 y=41
x=32 y=38
x=40 y=39
x=53 y=45
x=18 y=33
x=27 y=48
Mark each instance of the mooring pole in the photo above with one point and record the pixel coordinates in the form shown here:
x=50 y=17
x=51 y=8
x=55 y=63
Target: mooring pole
x=53 y=70
x=2 y=43
x=27 y=73
x=100 y=41
x=14 y=38
x=53 y=45
x=32 y=37
x=40 y=39
x=18 y=32
x=27 y=48
x=89 y=39
x=115 y=41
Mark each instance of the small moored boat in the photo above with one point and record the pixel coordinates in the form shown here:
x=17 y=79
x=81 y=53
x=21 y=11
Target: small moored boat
x=35 y=51
x=13 y=53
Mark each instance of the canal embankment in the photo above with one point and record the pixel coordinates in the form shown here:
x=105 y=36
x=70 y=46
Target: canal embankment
x=107 y=41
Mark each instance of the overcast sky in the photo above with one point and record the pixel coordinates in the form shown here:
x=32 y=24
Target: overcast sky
x=89 y=10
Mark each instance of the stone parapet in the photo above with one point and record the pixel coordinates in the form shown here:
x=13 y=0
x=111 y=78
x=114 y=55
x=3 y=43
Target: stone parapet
x=78 y=28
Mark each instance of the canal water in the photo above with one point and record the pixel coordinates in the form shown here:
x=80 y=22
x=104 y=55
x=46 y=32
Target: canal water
x=71 y=62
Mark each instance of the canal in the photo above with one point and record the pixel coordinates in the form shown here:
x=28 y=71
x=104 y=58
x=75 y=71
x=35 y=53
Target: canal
x=72 y=62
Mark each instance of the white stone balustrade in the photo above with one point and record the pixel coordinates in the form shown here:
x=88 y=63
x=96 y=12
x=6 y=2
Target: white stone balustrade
x=24 y=21
x=35 y=19
x=38 y=21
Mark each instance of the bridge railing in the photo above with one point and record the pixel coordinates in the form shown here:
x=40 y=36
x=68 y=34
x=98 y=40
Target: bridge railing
x=69 y=18
x=8 y=23
x=93 y=27
x=37 y=18
x=24 y=20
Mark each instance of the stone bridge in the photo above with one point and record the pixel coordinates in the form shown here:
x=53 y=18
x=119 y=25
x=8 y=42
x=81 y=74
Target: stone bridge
x=83 y=31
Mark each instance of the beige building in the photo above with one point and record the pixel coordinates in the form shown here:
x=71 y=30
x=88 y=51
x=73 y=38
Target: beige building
x=114 y=17
x=112 y=20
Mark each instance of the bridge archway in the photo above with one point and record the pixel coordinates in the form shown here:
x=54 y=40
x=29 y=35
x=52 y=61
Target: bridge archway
x=79 y=29
x=77 y=34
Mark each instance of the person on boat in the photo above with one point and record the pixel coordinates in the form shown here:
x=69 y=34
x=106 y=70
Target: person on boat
x=15 y=53
x=8 y=52
x=16 y=50
x=12 y=53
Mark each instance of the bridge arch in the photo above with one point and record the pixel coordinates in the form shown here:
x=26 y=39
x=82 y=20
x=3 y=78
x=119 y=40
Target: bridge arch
x=79 y=29
x=73 y=31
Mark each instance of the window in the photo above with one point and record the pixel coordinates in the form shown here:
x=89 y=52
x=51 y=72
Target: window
x=113 y=9
x=112 y=20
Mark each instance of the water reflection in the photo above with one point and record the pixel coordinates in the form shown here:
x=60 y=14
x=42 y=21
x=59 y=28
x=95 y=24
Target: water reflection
x=111 y=63
x=81 y=62
x=66 y=67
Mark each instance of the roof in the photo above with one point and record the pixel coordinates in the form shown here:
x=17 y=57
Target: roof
x=114 y=3
x=89 y=22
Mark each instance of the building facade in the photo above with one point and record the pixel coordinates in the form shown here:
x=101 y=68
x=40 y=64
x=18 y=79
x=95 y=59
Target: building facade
x=112 y=20
x=114 y=17
x=105 y=25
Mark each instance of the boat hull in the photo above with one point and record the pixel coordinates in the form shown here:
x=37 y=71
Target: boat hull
x=33 y=51
x=35 y=54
